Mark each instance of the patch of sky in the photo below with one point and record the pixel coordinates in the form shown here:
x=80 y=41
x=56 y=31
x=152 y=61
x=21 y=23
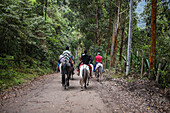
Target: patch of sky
x=139 y=10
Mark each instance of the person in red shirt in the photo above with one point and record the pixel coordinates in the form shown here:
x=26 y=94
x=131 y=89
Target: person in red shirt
x=98 y=60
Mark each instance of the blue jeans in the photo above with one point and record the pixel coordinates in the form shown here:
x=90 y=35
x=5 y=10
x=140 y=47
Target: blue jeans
x=58 y=66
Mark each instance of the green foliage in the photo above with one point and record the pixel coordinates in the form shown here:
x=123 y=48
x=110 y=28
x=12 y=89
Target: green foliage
x=29 y=46
x=164 y=79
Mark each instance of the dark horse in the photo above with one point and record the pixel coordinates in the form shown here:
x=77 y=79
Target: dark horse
x=66 y=73
x=60 y=69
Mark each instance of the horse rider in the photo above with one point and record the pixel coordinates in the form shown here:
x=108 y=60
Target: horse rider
x=59 y=62
x=98 y=60
x=91 y=59
x=67 y=57
x=85 y=60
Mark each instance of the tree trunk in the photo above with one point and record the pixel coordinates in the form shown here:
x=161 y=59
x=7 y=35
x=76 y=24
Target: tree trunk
x=117 y=34
x=97 y=25
x=121 y=45
x=122 y=38
x=109 y=32
x=153 y=37
x=112 y=43
x=45 y=11
x=129 y=39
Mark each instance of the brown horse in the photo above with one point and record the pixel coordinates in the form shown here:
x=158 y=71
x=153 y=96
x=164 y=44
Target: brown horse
x=60 y=69
x=66 y=70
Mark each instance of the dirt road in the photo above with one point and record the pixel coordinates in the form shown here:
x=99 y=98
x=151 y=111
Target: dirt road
x=45 y=94
x=52 y=98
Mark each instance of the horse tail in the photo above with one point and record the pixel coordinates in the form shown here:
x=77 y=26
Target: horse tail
x=60 y=68
x=63 y=73
x=100 y=69
x=84 y=73
x=64 y=68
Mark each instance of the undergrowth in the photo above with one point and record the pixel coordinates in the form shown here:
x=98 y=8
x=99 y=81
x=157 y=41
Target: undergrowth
x=12 y=73
x=17 y=76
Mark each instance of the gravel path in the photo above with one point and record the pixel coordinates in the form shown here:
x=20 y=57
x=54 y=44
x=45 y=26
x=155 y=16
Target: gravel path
x=46 y=95
x=50 y=97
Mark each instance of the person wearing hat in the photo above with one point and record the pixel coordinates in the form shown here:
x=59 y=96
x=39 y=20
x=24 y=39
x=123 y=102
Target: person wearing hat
x=98 y=60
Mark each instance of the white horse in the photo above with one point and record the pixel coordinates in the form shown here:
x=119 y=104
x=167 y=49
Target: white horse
x=84 y=75
x=99 y=68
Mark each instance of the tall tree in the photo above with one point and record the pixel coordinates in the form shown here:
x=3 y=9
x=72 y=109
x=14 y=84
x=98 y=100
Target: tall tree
x=129 y=38
x=97 y=24
x=45 y=10
x=109 y=32
x=153 y=35
x=112 y=43
x=117 y=34
x=122 y=38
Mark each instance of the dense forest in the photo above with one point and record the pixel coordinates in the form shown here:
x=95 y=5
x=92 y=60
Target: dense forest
x=33 y=33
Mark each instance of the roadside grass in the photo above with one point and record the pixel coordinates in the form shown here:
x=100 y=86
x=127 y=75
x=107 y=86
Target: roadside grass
x=122 y=75
x=17 y=76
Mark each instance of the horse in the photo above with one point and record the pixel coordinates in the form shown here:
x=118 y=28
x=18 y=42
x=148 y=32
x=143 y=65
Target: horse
x=98 y=73
x=60 y=69
x=84 y=76
x=66 y=70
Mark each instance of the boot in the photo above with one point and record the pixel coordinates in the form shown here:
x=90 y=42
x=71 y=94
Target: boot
x=91 y=76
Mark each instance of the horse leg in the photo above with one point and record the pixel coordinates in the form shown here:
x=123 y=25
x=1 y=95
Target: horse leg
x=63 y=78
x=96 y=74
x=68 y=80
x=85 y=77
x=101 y=75
x=81 y=83
x=85 y=80
x=72 y=75
x=88 y=78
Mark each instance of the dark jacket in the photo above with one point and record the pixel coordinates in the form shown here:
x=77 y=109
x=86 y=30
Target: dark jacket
x=85 y=59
